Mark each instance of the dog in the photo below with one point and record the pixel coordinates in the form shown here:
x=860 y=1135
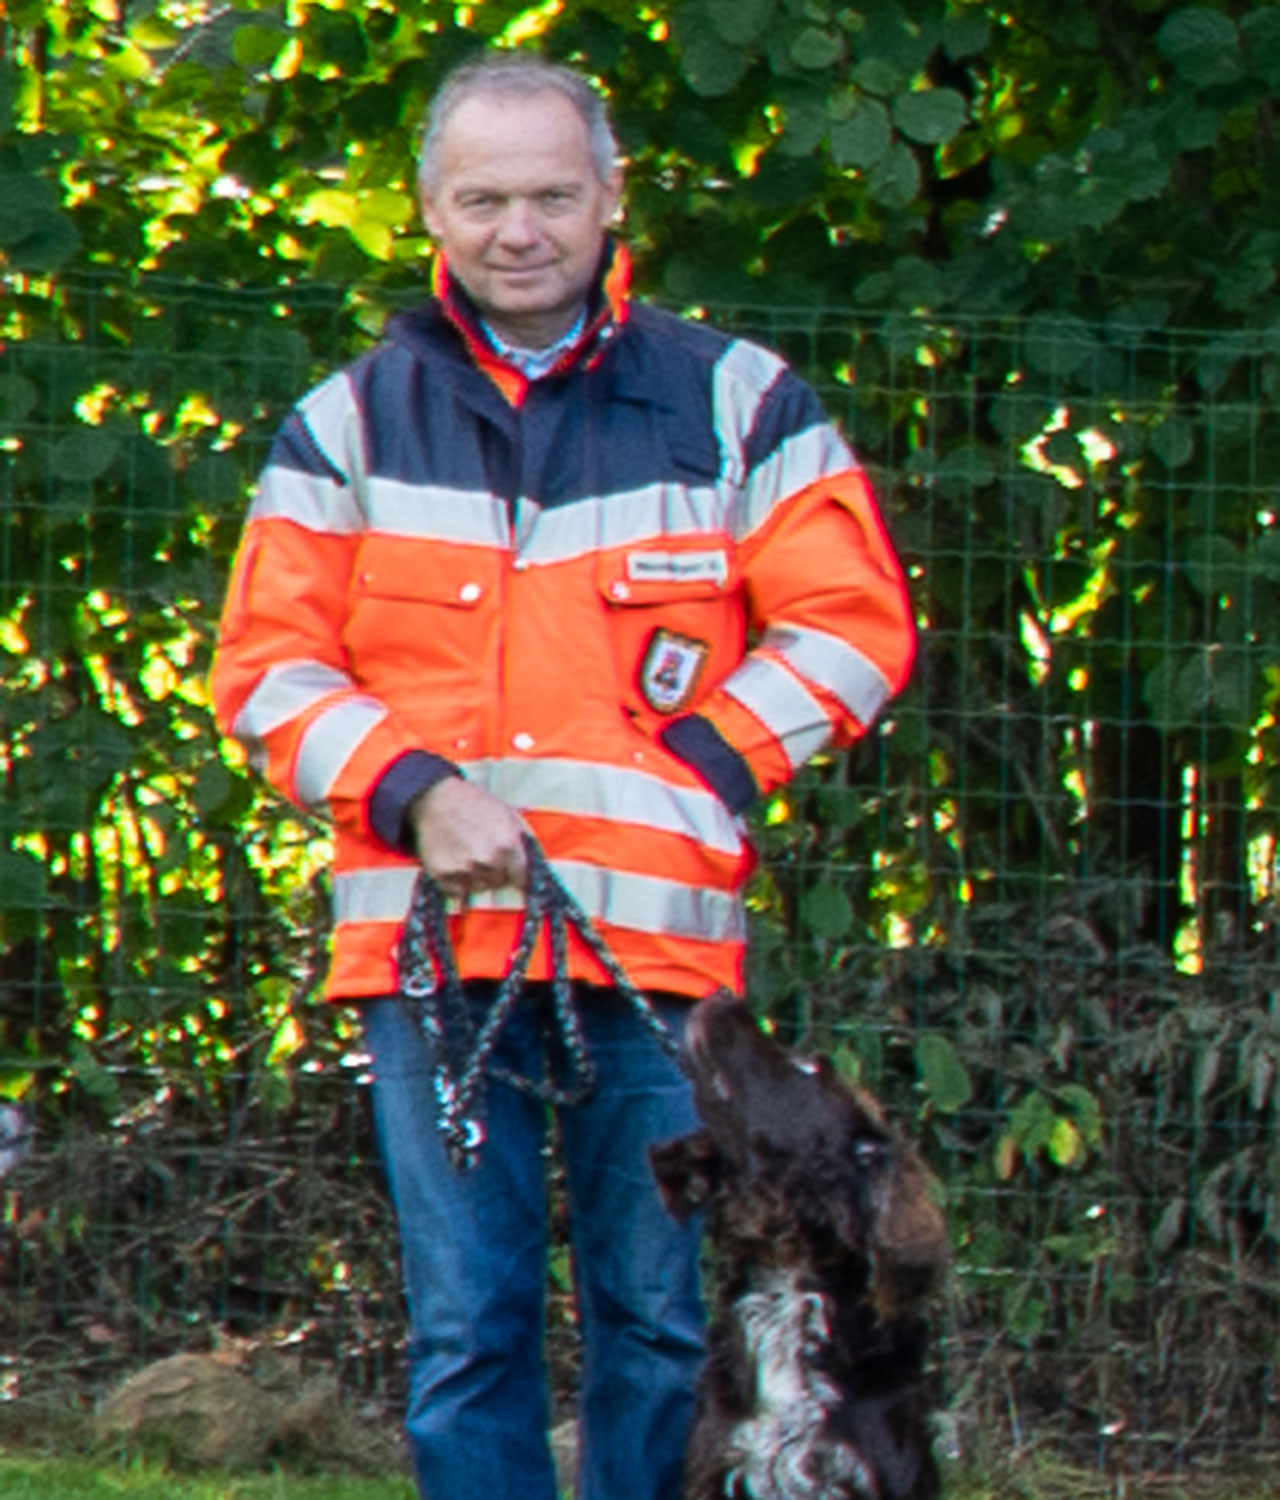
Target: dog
x=827 y=1237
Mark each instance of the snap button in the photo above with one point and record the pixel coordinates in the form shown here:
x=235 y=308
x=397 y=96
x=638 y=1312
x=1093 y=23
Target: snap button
x=520 y=564
x=619 y=590
x=522 y=741
x=470 y=592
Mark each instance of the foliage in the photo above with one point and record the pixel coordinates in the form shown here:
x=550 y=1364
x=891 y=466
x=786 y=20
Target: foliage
x=984 y=232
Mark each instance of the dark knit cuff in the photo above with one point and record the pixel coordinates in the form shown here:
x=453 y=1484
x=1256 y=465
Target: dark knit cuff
x=404 y=780
x=702 y=747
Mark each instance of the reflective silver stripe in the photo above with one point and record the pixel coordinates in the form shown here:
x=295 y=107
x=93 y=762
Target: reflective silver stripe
x=312 y=500
x=436 y=512
x=373 y=895
x=329 y=742
x=284 y=692
x=833 y=664
x=332 y=417
x=792 y=466
x=613 y=794
x=783 y=705
x=641 y=903
x=742 y=377
x=624 y=518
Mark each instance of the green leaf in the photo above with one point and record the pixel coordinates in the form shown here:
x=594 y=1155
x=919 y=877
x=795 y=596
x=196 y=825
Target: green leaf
x=22 y=881
x=895 y=179
x=1174 y=442
x=1177 y=690
x=1214 y=565
x=1059 y=344
x=804 y=124
x=944 y=1076
x=862 y=139
x=828 y=912
x=27 y=203
x=1261 y=32
x=215 y=481
x=875 y=76
x=336 y=36
x=740 y=22
x=256 y=47
x=85 y=454
x=1202 y=45
x=1169 y=1230
x=49 y=243
x=963 y=469
x=1233 y=688
x=964 y=34
x=1085 y=1109
x=99 y=1084
x=1264 y=556
x=1065 y=1145
x=1219 y=358
x=1032 y=1122
x=8 y=95
x=930 y=116
x=892 y=36
x=18 y=398
x=815 y=48
x=713 y=68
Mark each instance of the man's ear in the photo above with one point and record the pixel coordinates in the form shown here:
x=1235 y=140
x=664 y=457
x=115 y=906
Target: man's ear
x=687 y=1172
x=613 y=199
x=429 y=216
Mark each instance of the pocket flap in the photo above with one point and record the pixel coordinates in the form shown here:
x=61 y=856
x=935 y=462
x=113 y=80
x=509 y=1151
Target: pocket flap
x=400 y=568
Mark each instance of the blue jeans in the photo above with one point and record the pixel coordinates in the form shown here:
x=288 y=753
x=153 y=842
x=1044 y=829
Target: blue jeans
x=474 y=1252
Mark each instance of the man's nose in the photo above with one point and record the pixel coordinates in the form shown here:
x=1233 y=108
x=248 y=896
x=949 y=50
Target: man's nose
x=519 y=227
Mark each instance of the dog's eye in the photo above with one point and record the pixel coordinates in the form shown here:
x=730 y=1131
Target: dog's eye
x=808 y=1065
x=868 y=1151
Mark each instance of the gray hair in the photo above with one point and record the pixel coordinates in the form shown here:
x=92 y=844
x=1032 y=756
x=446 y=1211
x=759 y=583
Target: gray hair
x=515 y=75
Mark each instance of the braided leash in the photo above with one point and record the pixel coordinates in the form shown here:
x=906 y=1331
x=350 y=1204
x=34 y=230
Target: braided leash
x=429 y=975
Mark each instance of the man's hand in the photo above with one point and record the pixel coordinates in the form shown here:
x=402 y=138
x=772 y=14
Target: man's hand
x=467 y=839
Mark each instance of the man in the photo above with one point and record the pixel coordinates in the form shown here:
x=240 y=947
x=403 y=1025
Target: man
x=500 y=576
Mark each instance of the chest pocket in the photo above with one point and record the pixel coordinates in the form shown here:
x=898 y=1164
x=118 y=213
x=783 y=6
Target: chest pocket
x=422 y=602
x=674 y=614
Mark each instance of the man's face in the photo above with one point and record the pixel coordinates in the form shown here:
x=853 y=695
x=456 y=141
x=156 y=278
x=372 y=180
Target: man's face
x=520 y=211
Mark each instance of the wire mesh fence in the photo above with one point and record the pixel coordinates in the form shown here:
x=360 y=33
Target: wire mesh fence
x=1034 y=909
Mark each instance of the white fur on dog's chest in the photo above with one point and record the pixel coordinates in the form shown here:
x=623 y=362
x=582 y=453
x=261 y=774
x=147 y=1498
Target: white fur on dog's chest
x=780 y=1452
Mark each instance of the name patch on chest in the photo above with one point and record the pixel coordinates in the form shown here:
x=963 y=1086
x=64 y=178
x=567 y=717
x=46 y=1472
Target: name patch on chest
x=711 y=566
x=670 y=670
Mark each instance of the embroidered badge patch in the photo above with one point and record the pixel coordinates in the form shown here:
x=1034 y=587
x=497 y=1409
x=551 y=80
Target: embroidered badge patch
x=670 y=670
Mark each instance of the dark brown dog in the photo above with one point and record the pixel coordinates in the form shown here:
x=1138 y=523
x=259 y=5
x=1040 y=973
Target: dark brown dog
x=827 y=1235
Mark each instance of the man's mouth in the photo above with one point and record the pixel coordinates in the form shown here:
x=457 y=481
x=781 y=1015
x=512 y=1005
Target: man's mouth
x=521 y=270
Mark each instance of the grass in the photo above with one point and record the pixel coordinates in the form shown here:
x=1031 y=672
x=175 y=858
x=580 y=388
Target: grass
x=39 y=1477
x=24 y=1477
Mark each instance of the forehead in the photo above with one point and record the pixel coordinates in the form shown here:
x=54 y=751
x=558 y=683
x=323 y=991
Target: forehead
x=512 y=140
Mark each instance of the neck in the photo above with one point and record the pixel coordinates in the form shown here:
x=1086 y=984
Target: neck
x=533 y=334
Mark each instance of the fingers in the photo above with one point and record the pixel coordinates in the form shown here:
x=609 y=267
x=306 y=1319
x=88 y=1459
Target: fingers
x=468 y=840
x=504 y=868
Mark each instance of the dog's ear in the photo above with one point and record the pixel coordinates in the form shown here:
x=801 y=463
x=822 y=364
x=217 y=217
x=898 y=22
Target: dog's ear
x=687 y=1171
x=909 y=1234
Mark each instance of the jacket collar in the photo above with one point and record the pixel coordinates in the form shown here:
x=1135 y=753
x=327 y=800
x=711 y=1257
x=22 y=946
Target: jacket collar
x=608 y=306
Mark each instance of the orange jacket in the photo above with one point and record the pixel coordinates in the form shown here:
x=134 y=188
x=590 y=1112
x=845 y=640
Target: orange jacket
x=551 y=588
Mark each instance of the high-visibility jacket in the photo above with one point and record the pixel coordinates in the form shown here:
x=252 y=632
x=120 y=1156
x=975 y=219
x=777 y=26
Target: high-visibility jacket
x=627 y=597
